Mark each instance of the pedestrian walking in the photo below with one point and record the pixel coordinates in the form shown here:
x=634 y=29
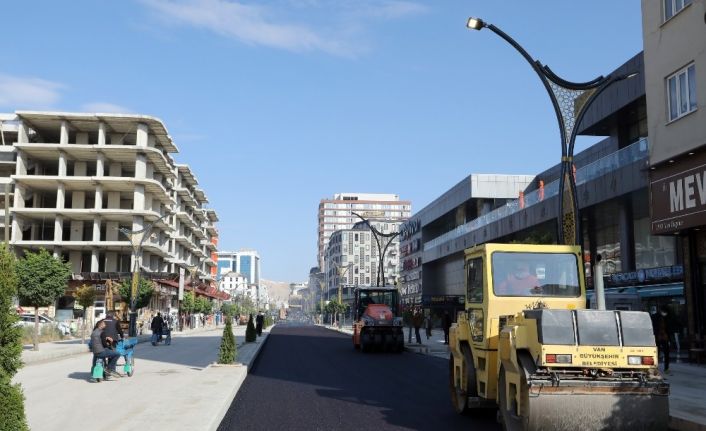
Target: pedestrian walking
x=156 y=326
x=446 y=323
x=417 y=321
x=99 y=347
x=428 y=325
x=662 y=327
x=259 y=321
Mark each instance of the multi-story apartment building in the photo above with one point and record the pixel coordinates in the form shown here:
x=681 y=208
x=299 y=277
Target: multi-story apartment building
x=79 y=179
x=336 y=213
x=352 y=257
x=245 y=262
x=234 y=283
x=674 y=37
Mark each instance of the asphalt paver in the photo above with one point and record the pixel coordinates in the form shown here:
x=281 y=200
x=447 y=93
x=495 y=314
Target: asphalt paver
x=310 y=378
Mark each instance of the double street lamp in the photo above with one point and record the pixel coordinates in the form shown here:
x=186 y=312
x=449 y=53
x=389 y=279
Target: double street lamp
x=137 y=239
x=382 y=249
x=571 y=101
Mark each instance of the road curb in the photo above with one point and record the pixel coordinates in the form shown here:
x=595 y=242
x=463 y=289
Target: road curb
x=681 y=424
x=228 y=400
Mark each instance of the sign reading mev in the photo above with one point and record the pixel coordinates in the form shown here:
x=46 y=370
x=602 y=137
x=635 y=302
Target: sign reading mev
x=678 y=195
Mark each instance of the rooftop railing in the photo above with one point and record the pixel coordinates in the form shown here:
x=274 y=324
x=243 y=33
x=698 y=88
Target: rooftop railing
x=623 y=157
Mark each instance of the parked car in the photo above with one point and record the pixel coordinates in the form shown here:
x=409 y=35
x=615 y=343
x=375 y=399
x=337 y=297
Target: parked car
x=28 y=320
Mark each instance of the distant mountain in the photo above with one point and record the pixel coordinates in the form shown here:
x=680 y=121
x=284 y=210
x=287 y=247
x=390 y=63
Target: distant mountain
x=278 y=290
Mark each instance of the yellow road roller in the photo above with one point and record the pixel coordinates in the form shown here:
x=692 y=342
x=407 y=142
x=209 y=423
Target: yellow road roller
x=526 y=344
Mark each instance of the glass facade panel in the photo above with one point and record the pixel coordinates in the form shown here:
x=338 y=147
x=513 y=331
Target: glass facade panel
x=245 y=267
x=683 y=98
x=673 y=104
x=652 y=251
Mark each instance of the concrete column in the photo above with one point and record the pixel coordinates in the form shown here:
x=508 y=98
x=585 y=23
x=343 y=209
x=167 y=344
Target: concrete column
x=96 y=229
x=95 y=255
x=141 y=167
x=115 y=170
x=111 y=231
x=21 y=164
x=58 y=228
x=150 y=171
x=139 y=198
x=113 y=200
x=100 y=165
x=60 y=196
x=99 y=197
x=142 y=135
x=111 y=261
x=64 y=137
x=101 y=133
x=75 y=262
x=22 y=133
x=16 y=233
x=82 y=138
x=80 y=169
x=62 y=164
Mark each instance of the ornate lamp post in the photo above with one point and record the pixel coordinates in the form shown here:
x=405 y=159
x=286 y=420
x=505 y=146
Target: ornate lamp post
x=381 y=249
x=137 y=239
x=571 y=101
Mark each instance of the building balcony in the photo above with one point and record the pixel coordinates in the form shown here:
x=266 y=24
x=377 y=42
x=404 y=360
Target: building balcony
x=116 y=246
x=89 y=184
x=124 y=216
x=89 y=153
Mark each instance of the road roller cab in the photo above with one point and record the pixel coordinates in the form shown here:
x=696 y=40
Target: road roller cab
x=377 y=324
x=526 y=344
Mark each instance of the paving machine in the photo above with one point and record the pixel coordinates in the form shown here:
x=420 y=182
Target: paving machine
x=527 y=344
x=377 y=325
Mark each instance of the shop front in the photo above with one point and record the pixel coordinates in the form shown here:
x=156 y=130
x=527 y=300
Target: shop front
x=678 y=207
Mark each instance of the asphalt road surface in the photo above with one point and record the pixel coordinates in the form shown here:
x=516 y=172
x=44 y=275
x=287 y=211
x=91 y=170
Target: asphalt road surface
x=310 y=378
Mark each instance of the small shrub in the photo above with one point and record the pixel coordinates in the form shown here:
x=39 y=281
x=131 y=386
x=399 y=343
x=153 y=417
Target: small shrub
x=12 y=410
x=250 y=334
x=228 y=350
x=46 y=333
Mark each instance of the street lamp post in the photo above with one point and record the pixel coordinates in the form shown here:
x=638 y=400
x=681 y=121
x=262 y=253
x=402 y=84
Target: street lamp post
x=137 y=239
x=380 y=274
x=571 y=101
x=341 y=270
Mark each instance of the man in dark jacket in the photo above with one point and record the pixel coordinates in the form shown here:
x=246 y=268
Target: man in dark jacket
x=156 y=327
x=417 y=321
x=112 y=329
x=259 y=322
x=663 y=326
x=99 y=343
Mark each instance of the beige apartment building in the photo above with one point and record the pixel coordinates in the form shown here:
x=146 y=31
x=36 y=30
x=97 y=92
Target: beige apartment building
x=674 y=33
x=78 y=179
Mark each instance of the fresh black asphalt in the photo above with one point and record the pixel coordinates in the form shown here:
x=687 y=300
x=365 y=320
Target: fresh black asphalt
x=310 y=378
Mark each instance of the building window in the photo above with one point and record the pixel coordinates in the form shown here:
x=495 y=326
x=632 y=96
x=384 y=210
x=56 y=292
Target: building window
x=681 y=92
x=673 y=7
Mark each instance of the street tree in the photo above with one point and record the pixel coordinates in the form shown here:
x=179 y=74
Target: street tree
x=42 y=279
x=86 y=297
x=188 y=303
x=12 y=411
x=229 y=349
x=250 y=333
x=145 y=290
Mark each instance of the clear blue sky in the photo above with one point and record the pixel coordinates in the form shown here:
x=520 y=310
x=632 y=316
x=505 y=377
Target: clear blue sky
x=277 y=104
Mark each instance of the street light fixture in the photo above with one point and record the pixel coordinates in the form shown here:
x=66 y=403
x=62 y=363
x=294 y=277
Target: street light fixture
x=342 y=270
x=571 y=101
x=137 y=239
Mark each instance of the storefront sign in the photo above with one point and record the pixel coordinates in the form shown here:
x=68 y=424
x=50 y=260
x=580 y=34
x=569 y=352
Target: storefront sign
x=410 y=228
x=678 y=195
x=664 y=274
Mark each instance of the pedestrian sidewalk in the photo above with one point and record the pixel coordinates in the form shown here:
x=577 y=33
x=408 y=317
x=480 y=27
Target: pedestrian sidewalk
x=174 y=387
x=59 y=349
